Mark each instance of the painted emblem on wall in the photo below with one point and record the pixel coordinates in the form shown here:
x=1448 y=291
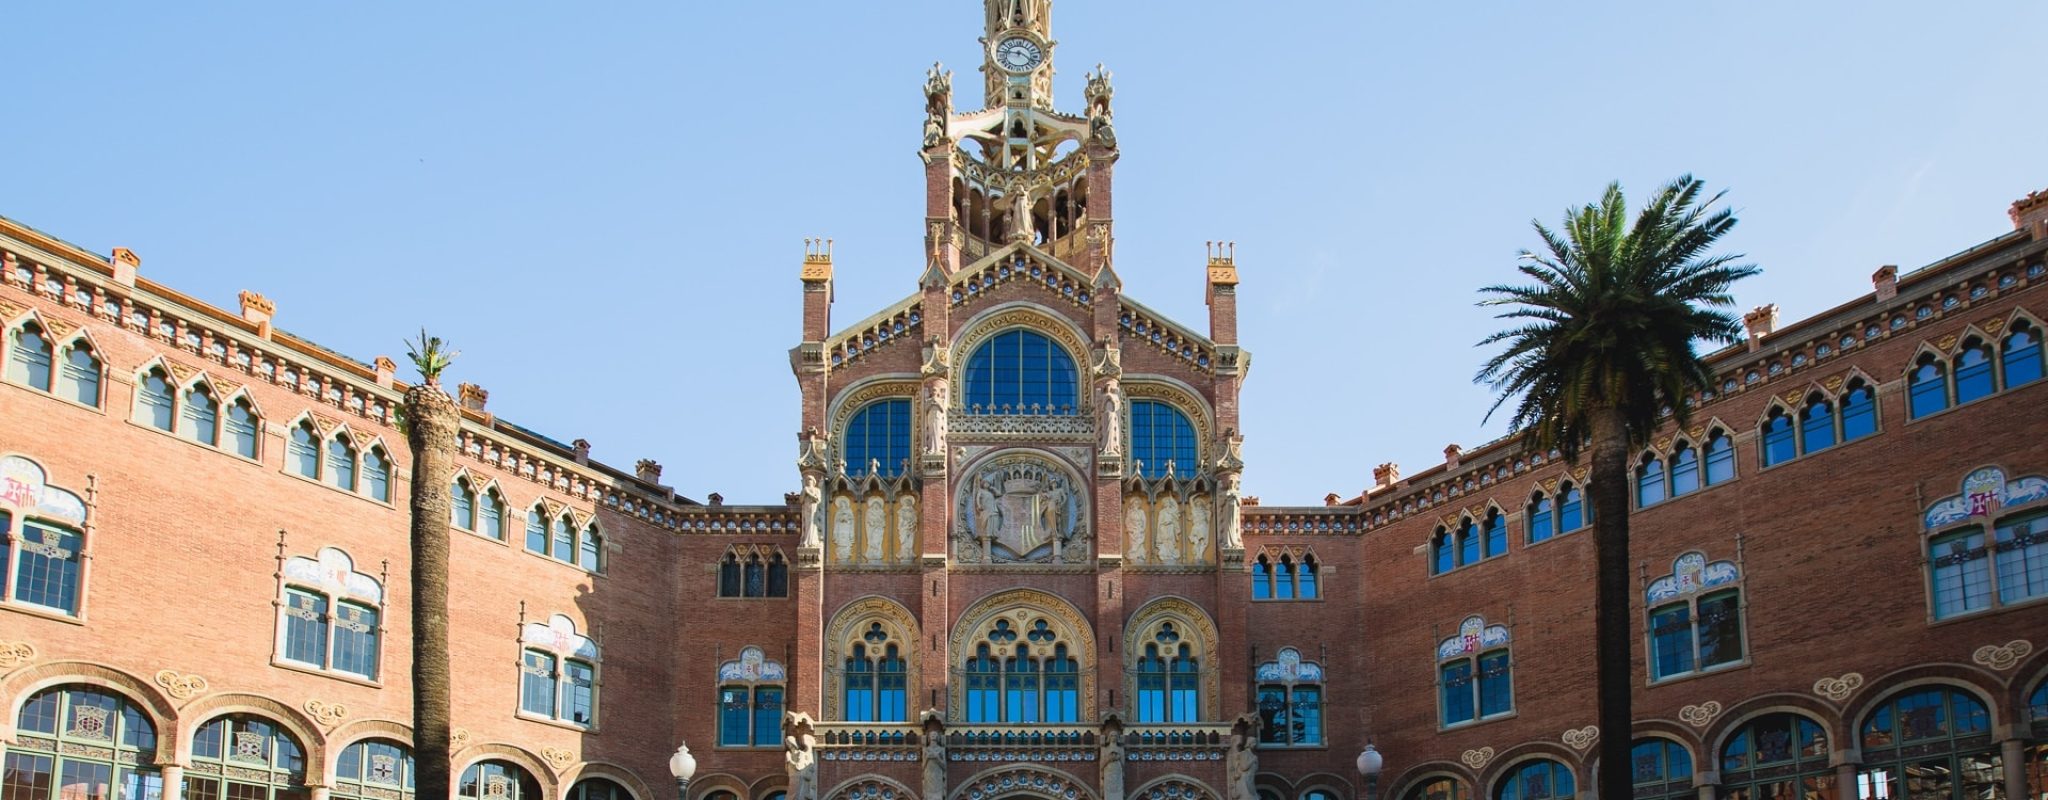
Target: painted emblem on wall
x=334 y=571
x=1287 y=667
x=1020 y=508
x=752 y=666
x=1692 y=573
x=24 y=486
x=1473 y=636
x=559 y=635
x=1984 y=492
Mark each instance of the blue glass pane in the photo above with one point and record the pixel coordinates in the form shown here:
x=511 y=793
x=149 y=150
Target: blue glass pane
x=1021 y=372
x=30 y=362
x=1817 y=428
x=1541 y=525
x=1650 y=483
x=303 y=452
x=1496 y=535
x=1779 y=445
x=1571 y=514
x=536 y=532
x=879 y=434
x=1456 y=690
x=1927 y=391
x=1671 y=639
x=767 y=716
x=1720 y=459
x=1468 y=544
x=1859 y=414
x=1973 y=375
x=2022 y=358
x=1159 y=434
x=1685 y=472
x=734 y=712
x=80 y=377
x=1441 y=558
x=1496 y=694
x=1262 y=580
x=537 y=684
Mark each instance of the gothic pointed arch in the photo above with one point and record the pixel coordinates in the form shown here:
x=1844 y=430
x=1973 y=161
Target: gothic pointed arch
x=1168 y=622
x=1014 y=614
x=856 y=623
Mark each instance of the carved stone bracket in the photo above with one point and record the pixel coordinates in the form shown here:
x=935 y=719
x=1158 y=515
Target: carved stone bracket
x=1109 y=466
x=1582 y=738
x=325 y=713
x=1699 y=715
x=1478 y=758
x=181 y=686
x=2003 y=657
x=810 y=557
x=16 y=654
x=934 y=465
x=1838 y=689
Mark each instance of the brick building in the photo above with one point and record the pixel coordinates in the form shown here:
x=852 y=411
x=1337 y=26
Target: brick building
x=1018 y=562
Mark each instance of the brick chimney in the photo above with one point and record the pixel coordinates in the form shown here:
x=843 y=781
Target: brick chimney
x=817 y=279
x=2030 y=214
x=387 y=371
x=1221 y=295
x=648 y=471
x=582 y=447
x=1451 y=454
x=125 y=264
x=1886 y=281
x=1760 y=321
x=1384 y=475
x=471 y=396
x=256 y=310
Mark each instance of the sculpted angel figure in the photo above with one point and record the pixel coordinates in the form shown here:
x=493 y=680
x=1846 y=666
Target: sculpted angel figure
x=842 y=530
x=1233 y=514
x=800 y=757
x=988 y=516
x=877 y=530
x=935 y=419
x=1112 y=419
x=934 y=766
x=813 y=518
x=1167 y=543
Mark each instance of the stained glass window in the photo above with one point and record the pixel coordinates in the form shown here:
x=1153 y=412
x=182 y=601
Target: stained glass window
x=92 y=744
x=1021 y=372
x=1662 y=770
x=879 y=435
x=1962 y=572
x=1930 y=743
x=1774 y=756
x=1537 y=779
x=497 y=780
x=374 y=769
x=48 y=565
x=1159 y=434
x=245 y=757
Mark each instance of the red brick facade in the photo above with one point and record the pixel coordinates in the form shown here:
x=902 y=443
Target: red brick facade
x=998 y=521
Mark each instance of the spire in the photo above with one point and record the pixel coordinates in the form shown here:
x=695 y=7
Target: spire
x=1017 y=53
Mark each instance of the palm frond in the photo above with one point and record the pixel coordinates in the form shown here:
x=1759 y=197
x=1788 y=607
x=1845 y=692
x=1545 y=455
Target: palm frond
x=430 y=355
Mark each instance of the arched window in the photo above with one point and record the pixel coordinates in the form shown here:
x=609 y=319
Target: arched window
x=1926 y=387
x=756 y=572
x=1775 y=756
x=1290 y=701
x=1496 y=533
x=1023 y=676
x=1438 y=788
x=29 y=358
x=1685 y=469
x=242 y=427
x=1816 y=424
x=1571 y=510
x=1662 y=769
x=78 y=379
x=497 y=780
x=1537 y=779
x=1650 y=481
x=201 y=420
x=729 y=575
x=1262 y=578
x=564 y=540
x=590 y=548
x=1474 y=673
x=491 y=514
x=1283 y=578
x=245 y=757
x=1931 y=743
x=154 y=402
x=1305 y=577
x=750 y=701
x=558 y=672
x=778 y=576
x=1720 y=457
x=1169 y=679
x=598 y=789
x=1021 y=372
x=1468 y=542
x=329 y=614
x=374 y=769
x=377 y=474
x=1695 y=617
x=1541 y=519
x=462 y=505
x=48 y=562
x=874 y=678
x=1964 y=564
x=1859 y=411
x=2022 y=355
x=341 y=463
x=1780 y=442
x=537 y=530
x=1973 y=371
x=302 y=453
x=77 y=742
x=1161 y=434
x=1442 y=552
x=879 y=434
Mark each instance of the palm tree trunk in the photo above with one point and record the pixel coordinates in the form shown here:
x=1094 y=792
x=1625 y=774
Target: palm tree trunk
x=1614 y=645
x=432 y=424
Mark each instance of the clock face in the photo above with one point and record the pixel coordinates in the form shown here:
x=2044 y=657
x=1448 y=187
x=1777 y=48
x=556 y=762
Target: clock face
x=1018 y=54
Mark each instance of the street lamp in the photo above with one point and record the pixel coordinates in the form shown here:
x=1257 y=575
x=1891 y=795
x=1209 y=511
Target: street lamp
x=683 y=765
x=1369 y=765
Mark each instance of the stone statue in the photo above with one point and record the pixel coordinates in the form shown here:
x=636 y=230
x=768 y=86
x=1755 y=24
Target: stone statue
x=1052 y=510
x=988 y=516
x=842 y=530
x=1244 y=759
x=1134 y=530
x=935 y=419
x=800 y=756
x=906 y=530
x=813 y=497
x=1166 y=542
x=1112 y=406
x=1198 y=530
x=1113 y=763
x=934 y=765
x=1020 y=216
x=1233 y=513
x=877 y=529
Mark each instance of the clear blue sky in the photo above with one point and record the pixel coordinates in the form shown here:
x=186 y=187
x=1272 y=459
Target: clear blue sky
x=603 y=204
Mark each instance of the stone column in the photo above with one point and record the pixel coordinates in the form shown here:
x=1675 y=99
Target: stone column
x=1845 y=781
x=174 y=781
x=2012 y=753
x=1706 y=783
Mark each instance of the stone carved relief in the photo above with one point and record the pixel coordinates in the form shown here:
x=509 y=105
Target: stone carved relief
x=1582 y=738
x=1242 y=768
x=1838 y=689
x=1021 y=508
x=906 y=529
x=2003 y=657
x=800 y=755
x=16 y=654
x=1700 y=715
x=180 y=686
x=875 y=528
x=1477 y=758
x=1135 y=532
x=1168 y=530
x=842 y=529
x=558 y=758
x=458 y=739
x=325 y=713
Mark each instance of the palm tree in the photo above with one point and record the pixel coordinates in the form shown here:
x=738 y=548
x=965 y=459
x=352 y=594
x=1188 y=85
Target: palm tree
x=431 y=421
x=1605 y=348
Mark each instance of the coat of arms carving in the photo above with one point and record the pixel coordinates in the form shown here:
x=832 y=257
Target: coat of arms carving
x=1020 y=508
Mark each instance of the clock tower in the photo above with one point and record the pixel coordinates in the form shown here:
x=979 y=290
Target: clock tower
x=1018 y=60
